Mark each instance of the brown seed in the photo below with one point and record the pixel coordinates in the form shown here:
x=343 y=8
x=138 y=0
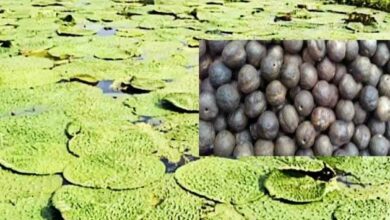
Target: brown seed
x=322 y=118
x=276 y=93
x=305 y=134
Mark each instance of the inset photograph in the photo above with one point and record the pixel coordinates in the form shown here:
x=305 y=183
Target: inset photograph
x=294 y=98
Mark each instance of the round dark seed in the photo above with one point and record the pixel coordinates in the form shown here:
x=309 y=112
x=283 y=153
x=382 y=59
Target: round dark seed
x=376 y=126
x=360 y=114
x=338 y=133
x=234 y=55
x=268 y=125
x=206 y=136
x=219 y=74
x=362 y=137
x=305 y=134
x=293 y=46
x=379 y=146
x=220 y=123
x=285 y=146
x=323 y=146
x=384 y=85
x=264 y=148
x=360 y=68
x=345 y=110
x=352 y=50
x=208 y=106
x=255 y=104
x=382 y=111
x=288 y=119
x=304 y=103
x=237 y=120
x=382 y=55
x=275 y=93
x=326 y=69
x=255 y=52
x=243 y=136
x=309 y=76
x=367 y=47
x=316 y=49
x=322 y=118
x=228 y=98
x=336 y=50
x=248 y=79
x=290 y=75
x=224 y=143
x=216 y=46
x=348 y=87
x=369 y=98
x=322 y=93
x=243 y=150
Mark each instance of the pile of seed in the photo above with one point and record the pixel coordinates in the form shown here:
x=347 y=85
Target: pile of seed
x=294 y=97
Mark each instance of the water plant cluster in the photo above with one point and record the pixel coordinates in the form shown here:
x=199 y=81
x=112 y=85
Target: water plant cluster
x=97 y=107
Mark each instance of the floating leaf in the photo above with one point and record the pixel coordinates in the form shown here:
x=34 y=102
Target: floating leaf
x=301 y=188
x=233 y=182
x=184 y=101
x=115 y=171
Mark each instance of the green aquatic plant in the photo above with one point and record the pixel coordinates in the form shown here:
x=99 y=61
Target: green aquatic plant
x=363 y=209
x=30 y=142
x=14 y=188
x=33 y=208
x=146 y=84
x=184 y=101
x=361 y=170
x=294 y=187
x=267 y=208
x=233 y=182
x=114 y=138
x=112 y=171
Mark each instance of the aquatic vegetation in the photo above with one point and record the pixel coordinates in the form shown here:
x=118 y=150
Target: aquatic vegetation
x=112 y=171
x=363 y=209
x=232 y=182
x=71 y=149
x=294 y=187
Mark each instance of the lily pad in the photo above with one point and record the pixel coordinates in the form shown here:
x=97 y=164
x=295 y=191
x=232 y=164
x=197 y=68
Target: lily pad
x=100 y=138
x=146 y=84
x=115 y=171
x=74 y=31
x=33 y=208
x=267 y=208
x=184 y=101
x=30 y=142
x=294 y=188
x=232 y=182
x=363 y=209
x=361 y=170
x=14 y=185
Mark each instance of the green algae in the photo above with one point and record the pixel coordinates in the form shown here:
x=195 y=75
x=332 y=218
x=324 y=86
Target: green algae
x=113 y=171
x=295 y=188
x=233 y=182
